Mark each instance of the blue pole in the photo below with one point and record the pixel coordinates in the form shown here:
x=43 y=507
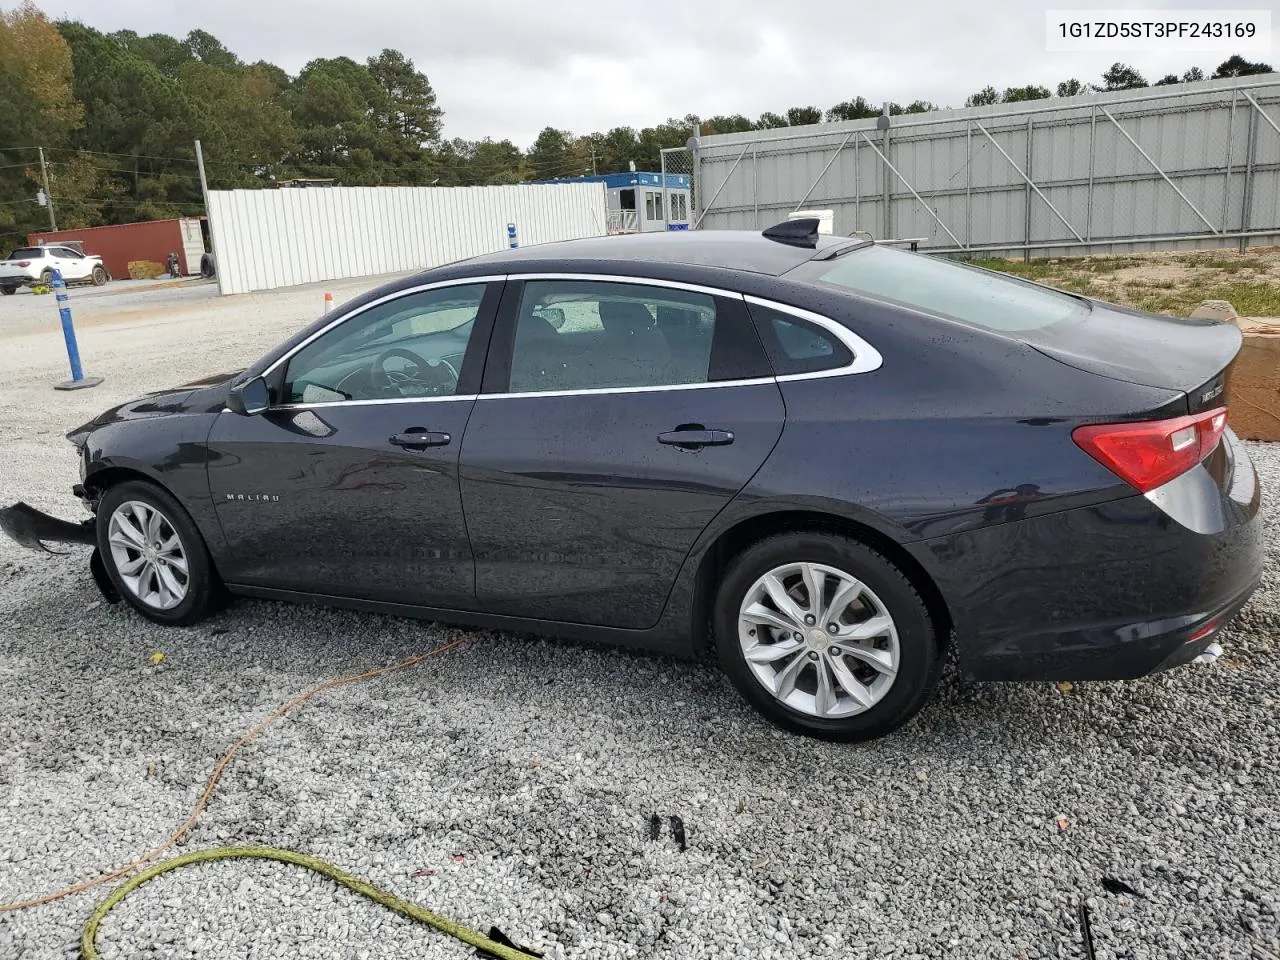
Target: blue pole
x=78 y=378
x=68 y=328
x=512 y=240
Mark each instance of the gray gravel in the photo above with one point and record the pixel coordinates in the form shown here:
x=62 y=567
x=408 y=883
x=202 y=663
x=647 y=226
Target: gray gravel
x=510 y=782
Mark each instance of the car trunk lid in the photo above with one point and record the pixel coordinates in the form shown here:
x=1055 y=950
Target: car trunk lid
x=1177 y=353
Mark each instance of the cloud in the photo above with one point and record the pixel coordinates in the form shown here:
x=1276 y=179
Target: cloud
x=508 y=69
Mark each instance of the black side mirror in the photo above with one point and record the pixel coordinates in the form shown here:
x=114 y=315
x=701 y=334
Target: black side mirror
x=249 y=398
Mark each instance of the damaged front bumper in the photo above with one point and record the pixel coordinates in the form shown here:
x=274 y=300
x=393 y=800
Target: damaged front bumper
x=33 y=529
x=30 y=528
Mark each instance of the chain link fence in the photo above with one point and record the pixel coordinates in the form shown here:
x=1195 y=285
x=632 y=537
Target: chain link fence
x=679 y=166
x=1158 y=168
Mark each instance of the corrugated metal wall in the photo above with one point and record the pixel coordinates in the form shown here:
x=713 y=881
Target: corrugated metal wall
x=279 y=238
x=1084 y=155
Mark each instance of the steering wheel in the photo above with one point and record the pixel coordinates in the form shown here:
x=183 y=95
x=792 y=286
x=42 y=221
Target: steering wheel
x=440 y=378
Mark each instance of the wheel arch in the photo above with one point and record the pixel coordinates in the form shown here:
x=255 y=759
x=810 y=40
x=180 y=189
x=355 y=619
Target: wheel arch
x=751 y=530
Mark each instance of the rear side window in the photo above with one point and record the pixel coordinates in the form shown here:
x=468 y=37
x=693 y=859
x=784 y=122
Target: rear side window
x=798 y=346
x=978 y=297
x=27 y=253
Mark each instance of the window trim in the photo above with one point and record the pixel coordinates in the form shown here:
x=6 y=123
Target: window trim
x=866 y=358
x=282 y=361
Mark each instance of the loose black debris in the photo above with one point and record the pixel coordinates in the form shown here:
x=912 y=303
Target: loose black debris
x=1086 y=932
x=677 y=831
x=655 y=826
x=1112 y=885
x=497 y=936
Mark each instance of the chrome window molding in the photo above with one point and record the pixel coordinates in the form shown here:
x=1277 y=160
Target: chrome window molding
x=374 y=402
x=407 y=291
x=866 y=358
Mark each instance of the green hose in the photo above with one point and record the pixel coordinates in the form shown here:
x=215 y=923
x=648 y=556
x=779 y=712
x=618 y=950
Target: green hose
x=88 y=944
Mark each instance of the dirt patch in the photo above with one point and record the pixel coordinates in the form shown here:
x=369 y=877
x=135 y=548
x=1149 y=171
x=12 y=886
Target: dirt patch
x=1168 y=283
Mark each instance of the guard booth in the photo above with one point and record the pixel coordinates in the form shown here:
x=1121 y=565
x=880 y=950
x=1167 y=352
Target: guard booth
x=637 y=203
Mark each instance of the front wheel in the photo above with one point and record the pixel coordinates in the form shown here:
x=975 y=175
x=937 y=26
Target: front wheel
x=99 y=276
x=154 y=554
x=826 y=637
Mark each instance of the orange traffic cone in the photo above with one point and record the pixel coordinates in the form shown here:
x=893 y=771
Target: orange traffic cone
x=328 y=301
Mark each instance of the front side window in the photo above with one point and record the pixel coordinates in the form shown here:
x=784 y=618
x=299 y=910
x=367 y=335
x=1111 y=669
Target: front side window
x=411 y=348
x=980 y=298
x=611 y=335
x=67 y=253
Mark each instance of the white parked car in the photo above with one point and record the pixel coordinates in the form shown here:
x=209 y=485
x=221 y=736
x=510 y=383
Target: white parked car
x=28 y=266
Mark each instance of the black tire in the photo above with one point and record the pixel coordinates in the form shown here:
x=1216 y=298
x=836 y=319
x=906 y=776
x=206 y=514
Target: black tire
x=203 y=589
x=99 y=276
x=920 y=647
x=8 y=291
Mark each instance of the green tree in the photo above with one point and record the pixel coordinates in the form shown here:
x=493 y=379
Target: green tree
x=1167 y=80
x=1192 y=75
x=1238 y=66
x=556 y=154
x=803 y=116
x=37 y=106
x=983 y=98
x=1121 y=76
x=736 y=123
x=207 y=48
x=920 y=106
x=414 y=113
x=1072 y=88
x=1031 y=91
x=620 y=148
x=856 y=109
x=165 y=53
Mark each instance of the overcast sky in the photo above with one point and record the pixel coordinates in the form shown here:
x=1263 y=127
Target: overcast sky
x=506 y=70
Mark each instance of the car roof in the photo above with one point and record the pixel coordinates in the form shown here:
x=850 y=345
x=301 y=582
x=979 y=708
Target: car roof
x=728 y=249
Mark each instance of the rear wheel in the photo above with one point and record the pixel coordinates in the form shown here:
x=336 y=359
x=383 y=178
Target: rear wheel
x=46 y=277
x=99 y=276
x=826 y=637
x=154 y=554
x=8 y=291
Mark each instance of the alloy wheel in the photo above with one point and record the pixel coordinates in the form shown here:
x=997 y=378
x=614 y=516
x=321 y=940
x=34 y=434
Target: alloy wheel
x=148 y=554
x=819 y=640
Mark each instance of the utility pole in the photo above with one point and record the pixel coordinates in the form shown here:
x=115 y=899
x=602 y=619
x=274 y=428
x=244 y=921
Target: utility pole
x=213 y=237
x=48 y=197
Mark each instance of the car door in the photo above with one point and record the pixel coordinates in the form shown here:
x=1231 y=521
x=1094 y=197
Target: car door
x=74 y=266
x=618 y=417
x=348 y=484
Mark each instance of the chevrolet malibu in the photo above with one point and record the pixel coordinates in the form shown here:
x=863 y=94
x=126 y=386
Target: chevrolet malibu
x=821 y=460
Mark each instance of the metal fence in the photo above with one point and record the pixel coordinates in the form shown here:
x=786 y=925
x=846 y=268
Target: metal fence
x=1192 y=165
x=277 y=238
x=679 y=160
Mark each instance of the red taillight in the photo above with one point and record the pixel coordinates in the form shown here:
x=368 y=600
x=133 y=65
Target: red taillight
x=24 y=263
x=1150 y=453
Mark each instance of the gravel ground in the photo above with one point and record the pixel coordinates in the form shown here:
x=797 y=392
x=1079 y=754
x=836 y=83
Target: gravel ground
x=510 y=782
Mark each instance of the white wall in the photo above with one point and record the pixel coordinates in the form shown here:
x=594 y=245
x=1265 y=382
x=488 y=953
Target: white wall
x=279 y=238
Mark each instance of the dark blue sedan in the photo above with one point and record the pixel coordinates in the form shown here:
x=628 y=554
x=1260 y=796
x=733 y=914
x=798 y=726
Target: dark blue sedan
x=819 y=460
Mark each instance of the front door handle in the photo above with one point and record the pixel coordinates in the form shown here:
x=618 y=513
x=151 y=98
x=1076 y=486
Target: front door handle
x=419 y=438
x=694 y=437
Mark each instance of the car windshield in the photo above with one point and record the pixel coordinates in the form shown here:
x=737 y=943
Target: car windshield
x=947 y=289
x=26 y=253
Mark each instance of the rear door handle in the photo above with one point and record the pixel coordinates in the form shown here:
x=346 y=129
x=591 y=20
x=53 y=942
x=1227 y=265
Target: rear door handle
x=419 y=438
x=692 y=438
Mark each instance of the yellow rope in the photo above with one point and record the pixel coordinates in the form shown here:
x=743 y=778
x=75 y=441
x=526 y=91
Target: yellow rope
x=88 y=941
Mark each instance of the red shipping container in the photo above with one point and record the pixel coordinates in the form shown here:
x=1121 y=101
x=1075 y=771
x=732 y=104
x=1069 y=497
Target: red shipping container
x=120 y=244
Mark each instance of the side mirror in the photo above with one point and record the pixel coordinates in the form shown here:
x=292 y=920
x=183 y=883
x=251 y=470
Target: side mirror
x=249 y=398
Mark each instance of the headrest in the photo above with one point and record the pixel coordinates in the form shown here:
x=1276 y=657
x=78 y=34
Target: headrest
x=625 y=317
